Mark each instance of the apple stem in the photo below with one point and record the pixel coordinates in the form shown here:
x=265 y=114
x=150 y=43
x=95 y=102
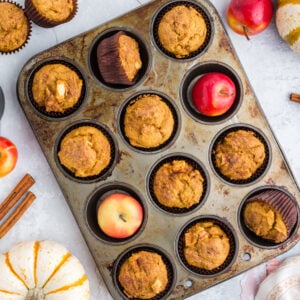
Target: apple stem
x=245 y=32
x=122 y=218
x=225 y=93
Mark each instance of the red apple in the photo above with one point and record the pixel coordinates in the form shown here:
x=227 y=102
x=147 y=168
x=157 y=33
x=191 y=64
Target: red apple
x=213 y=94
x=120 y=215
x=249 y=17
x=8 y=156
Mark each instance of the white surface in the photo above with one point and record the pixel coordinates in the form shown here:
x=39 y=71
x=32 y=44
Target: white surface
x=273 y=71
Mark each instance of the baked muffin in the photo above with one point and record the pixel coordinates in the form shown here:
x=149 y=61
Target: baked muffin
x=56 y=87
x=85 y=151
x=178 y=184
x=206 y=246
x=143 y=275
x=118 y=58
x=182 y=30
x=239 y=155
x=14 y=27
x=148 y=121
x=47 y=13
x=271 y=215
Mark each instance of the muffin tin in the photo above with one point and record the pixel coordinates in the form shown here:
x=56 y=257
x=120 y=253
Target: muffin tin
x=131 y=168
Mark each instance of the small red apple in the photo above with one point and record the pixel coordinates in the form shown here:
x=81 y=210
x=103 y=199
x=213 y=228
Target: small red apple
x=249 y=17
x=8 y=156
x=120 y=215
x=213 y=94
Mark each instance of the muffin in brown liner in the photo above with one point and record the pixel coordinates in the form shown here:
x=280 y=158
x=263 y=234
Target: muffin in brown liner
x=45 y=21
x=201 y=10
x=273 y=208
x=173 y=109
x=41 y=109
x=196 y=166
x=169 y=264
x=27 y=27
x=113 y=155
x=232 y=239
x=260 y=171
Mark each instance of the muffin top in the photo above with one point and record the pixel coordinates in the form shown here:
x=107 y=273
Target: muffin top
x=182 y=30
x=239 y=155
x=14 y=27
x=143 y=275
x=56 y=87
x=85 y=151
x=148 y=121
x=178 y=184
x=206 y=246
x=54 y=10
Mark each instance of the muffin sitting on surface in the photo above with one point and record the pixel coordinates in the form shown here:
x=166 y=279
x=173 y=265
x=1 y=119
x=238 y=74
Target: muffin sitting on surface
x=182 y=30
x=239 y=155
x=56 y=87
x=85 y=151
x=178 y=184
x=148 y=121
x=143 y=275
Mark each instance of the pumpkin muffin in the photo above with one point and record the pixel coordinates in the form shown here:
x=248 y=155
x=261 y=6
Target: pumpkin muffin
x=119 y=59
x=14 y=27
x=143 y=275
x=49 y=13
x=85 y=151
x=206 y=246
x=56 y=87
x=239 y=155
x=182 y=30
x=178 y=184
x=270 y=215
x=148 y=121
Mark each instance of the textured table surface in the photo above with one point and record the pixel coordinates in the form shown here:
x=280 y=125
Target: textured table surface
x=272 y=69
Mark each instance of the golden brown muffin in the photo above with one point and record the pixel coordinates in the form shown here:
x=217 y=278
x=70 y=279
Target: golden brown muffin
x=85 y=151
x=148 y=121
x=143 y=275
x=206 y=246
x=178 y=184
x=239 y=155
x=119 y=59
x=182 y=30
x=56 y=87
x=14 y=27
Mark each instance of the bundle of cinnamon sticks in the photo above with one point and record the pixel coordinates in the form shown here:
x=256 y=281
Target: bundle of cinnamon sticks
x=12 y=199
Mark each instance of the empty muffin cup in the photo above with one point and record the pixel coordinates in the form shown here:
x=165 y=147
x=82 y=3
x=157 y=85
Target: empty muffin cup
x=201 y=235
x=182 y=30
x=268 y=217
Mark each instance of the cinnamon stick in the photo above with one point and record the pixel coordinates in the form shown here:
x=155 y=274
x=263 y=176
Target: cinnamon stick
x=15 y=195
x=17 y=214
x=295 y=97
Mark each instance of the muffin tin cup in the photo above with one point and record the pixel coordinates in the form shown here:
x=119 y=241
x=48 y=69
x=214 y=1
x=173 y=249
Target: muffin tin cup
x=176 y=115
x=106 y=172
x=41 y=111
x=145 y=55
x=172 y=275
x=167 y=7
x=260 y=172
x=250 y=236
x=193 y=75
x=226 y=227
x=193 y=161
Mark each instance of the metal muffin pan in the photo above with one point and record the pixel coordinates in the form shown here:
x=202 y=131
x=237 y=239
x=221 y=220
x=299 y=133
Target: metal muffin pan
x=132 y=168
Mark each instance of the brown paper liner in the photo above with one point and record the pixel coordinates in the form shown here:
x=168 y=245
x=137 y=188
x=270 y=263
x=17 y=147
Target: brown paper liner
x=28 y=33
x=42 y=21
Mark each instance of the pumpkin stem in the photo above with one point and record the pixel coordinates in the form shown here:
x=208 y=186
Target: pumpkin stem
x=35 y=294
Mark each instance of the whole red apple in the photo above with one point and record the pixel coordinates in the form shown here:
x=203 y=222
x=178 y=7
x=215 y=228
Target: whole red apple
x=249 y=17
x=8 y=156
x=213 y=94
x=120 y=215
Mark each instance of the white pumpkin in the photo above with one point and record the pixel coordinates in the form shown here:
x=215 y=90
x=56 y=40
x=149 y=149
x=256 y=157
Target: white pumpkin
x=36 y=270
x=288 y=22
